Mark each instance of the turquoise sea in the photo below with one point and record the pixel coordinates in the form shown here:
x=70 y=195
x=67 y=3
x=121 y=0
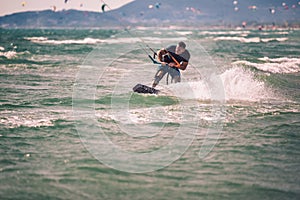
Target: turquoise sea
x=71 y=127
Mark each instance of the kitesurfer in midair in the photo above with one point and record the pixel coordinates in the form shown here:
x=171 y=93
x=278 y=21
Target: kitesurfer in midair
x=173 y=59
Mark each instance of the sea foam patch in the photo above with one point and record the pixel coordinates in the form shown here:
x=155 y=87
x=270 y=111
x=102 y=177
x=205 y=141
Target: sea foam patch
x=8 y=54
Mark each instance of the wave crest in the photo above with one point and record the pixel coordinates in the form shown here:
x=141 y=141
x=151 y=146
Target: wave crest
x=282 y=65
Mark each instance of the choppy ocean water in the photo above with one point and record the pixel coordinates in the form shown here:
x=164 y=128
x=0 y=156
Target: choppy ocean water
x=71 y=128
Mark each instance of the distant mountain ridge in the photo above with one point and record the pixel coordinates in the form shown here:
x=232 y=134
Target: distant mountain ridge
x=163 y=13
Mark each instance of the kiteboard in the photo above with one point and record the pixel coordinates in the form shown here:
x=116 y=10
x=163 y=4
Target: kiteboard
x=140 y=88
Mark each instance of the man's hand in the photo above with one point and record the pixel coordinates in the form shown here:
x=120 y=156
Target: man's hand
x=164 y=63
x=172 y=64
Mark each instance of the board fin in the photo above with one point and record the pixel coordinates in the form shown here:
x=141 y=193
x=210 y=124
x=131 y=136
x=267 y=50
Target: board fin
x=140 y=88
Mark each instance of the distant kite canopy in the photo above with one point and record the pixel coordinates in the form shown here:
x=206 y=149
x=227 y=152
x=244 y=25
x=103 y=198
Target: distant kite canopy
x=235 y=3
x=103 y=7
x=272 y=10
x=157 y=5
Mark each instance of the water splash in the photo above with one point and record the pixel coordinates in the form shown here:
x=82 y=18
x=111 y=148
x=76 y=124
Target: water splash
x=239 y=85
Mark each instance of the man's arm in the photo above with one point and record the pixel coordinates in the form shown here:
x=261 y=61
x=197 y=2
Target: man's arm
x=182 y=65
x=160 y=54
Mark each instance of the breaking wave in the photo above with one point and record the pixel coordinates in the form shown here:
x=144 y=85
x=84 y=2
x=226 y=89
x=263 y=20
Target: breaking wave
x=250 y=40
x=45 y=40
x=282 y=65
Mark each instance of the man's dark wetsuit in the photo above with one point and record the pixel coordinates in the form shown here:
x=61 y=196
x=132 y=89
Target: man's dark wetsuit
x=173 y=71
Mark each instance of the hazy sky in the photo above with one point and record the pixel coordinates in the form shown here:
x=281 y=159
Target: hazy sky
x=12 y=6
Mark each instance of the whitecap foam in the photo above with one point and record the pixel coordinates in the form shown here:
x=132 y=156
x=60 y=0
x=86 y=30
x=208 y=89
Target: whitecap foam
x=282 y=65
x=32 y=118
x=275 y=33
x=44 y=40
x=249 y=40
x=17 y=121
x=2 y=48
x=240 y=39
x=242 y=33
x=9 y=54
x=161 y=39
x=274 y=39
x=184 y=32
x=36 y=39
